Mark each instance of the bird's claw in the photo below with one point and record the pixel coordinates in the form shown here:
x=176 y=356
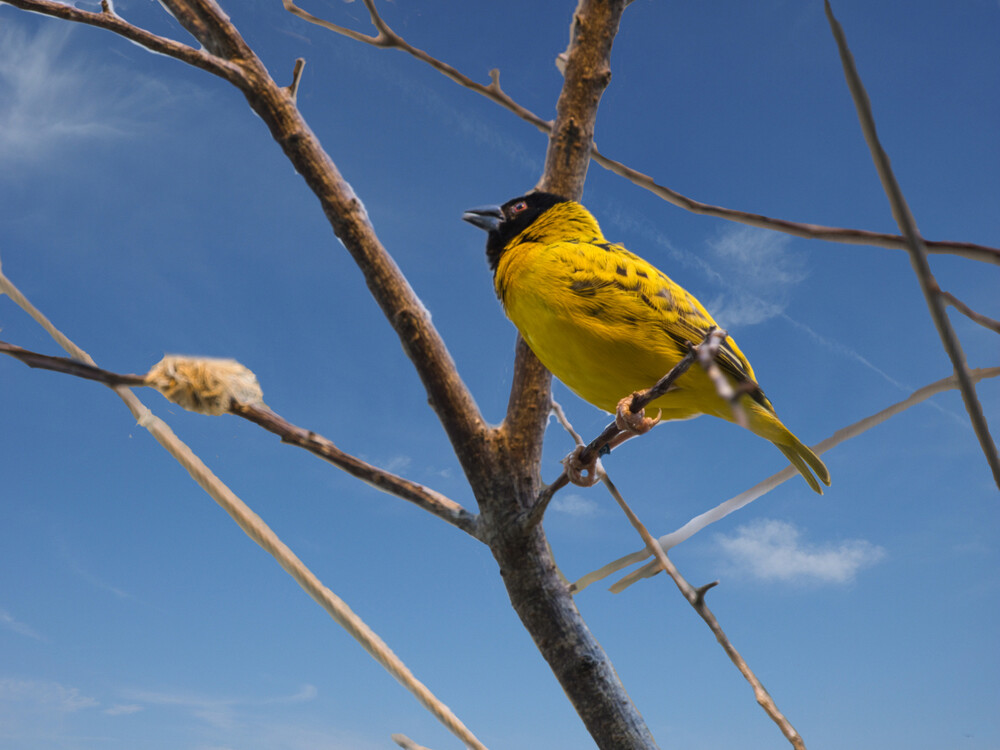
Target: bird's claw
x=636 y=423
x=579 y=472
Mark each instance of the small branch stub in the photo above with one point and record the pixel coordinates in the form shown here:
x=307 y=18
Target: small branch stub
x=293 y=87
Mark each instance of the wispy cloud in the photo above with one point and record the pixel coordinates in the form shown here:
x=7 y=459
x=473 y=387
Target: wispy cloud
x=574 y=505
x=757 y=271
x=219 y=712
x=53 y=97
x=774 y=550
x=43 y=694
x=7 y=620
x=123 y=709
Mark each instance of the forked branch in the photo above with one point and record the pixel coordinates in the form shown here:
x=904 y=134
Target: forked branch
x=389 y=39
x=694 y=596
x=916 y=247
x=421 y=496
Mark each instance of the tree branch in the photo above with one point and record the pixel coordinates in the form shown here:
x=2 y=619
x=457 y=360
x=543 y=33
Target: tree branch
x=918 y=252
x=696 y=524
x=110 y=21
x=258 y=531
x=275 y=105
x=696 y=598
x=421 y=496
x=389 y=39
x=968 y=312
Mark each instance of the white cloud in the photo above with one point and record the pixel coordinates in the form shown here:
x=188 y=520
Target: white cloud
x=43 y=694
x=758 y=272
x=396 y=464
x=754 y=267
x=8 y=621
x=774 y=550
x=53 y=98
x=574 y=505
x=123 y=709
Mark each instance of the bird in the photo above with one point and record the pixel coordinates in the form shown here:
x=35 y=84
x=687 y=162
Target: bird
x=608 y=323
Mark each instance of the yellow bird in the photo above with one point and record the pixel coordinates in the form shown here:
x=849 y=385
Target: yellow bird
x=607 y=323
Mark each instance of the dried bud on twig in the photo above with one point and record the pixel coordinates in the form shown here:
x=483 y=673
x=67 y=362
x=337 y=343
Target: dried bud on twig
x=206 y=386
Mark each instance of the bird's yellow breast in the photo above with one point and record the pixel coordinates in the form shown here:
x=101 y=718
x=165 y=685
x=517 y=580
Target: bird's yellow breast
x=605 y=322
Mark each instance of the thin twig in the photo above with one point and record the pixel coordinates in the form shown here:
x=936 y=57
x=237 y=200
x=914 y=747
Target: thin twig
x=254 y=527
x=951 y=299
x=707 y=353
x=970 y=250
x=421 y=496
x=72 y=367
x=293 y=87
x=406 y=743
x=696 y=598
x=387 y=38
x=107 y=19
x=424 y=497
x=699 y=522
x=915 y=244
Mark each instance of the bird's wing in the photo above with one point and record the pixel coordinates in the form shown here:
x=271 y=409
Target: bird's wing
x=680 y=315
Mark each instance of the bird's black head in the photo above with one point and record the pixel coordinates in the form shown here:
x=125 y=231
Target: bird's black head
x=505 y=222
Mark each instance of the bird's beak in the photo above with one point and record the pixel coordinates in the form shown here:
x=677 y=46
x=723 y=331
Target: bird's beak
x=484 y=217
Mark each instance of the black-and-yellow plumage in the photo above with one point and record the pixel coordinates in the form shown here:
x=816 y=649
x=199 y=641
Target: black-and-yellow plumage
x=607 y=323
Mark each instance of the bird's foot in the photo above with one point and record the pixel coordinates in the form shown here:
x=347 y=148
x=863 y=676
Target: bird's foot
x=635 y=423
x=579 y=472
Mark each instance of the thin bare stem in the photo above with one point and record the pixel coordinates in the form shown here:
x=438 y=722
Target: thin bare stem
x=255 y=528
x=970 y=250
x=421 y=496
x=915 y=244
x=406 y=743
x=387 y=38
x=293 y=87
x=951 y=299
x=72 y=367
x=696 y=598
x=699 y=522
x=707 y=353
x=107 y=19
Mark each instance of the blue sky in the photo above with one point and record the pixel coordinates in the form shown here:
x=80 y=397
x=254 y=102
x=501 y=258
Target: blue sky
x=146 y=211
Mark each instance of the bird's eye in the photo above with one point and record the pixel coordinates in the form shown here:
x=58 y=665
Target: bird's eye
x=518 y=207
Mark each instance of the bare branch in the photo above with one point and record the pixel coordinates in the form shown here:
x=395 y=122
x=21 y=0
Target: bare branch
x=406 y=743
x=258 y=531
x=696 y=598
x=423 y=497
x=720 y=511
x=275 y=105
x=968 y=250
x=293 y=87
x=71 y=367
x=707 y=353
x=963 y=308
x=918 y=253
x=387 y=38
x=107 y=19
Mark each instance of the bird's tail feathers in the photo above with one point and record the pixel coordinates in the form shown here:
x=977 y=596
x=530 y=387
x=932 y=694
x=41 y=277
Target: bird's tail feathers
x=803 y=459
